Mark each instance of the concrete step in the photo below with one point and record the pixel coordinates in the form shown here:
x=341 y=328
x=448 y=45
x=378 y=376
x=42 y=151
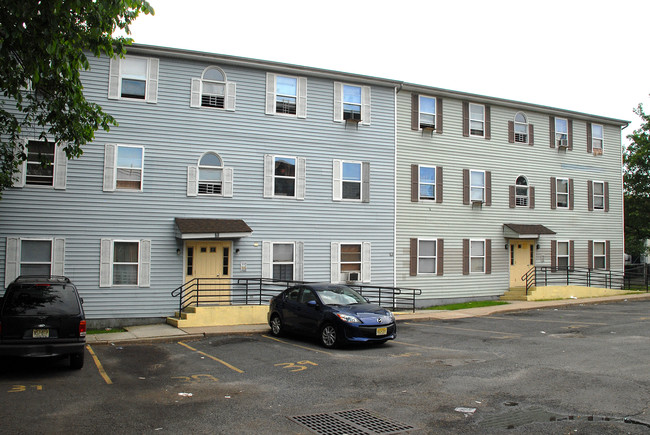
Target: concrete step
x=516 y=294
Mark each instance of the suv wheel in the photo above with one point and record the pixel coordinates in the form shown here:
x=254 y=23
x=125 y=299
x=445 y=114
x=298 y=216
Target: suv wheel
x=77 y=360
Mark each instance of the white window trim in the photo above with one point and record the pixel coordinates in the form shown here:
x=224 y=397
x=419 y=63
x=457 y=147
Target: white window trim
x=594 y=195
x=428 y=184
x=484 y=256
x=567 y=256
x=337 y=181
x=558 y=133
x=13 y=256
x=558 y=193
x=115 y=169
x=353 y=162
x=434 y=257
x=527 y=192
x=526 y=124
x=59 y=171
x=335 y=256
x=601 y=138
x=196 y=91
x=298 y=259
x=301 y=95
x=107 y=264
x=421 y=112
x=151 y=81
x=300 y=177
x=338 y=102
x=604 y=256
x=472 y=186
x=482 y=120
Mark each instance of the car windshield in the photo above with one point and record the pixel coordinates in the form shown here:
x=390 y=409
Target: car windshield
x=339 y=295
x=41 y=299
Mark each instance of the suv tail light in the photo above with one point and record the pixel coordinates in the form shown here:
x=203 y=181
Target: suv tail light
x=82 y=328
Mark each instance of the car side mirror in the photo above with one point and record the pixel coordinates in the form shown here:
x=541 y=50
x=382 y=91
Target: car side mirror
x=312 y=304
x=82 y=300
x=367 y=300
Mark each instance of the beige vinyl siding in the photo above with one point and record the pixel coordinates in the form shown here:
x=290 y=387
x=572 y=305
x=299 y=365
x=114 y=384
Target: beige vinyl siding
x=453 y=221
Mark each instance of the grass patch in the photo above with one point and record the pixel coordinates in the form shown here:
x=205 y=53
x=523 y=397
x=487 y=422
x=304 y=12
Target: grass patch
x=464 y=305
x=104 y=331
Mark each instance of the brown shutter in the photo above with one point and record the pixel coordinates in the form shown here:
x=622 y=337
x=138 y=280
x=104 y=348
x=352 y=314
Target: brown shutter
x=570 y=193
x=511 y=132
x=570 y=127
x=590 y=195
x=465 y=256
x=553 y=254
x=415 y=183
x=438 y=184
x=531 y=197
x=440 y=257
x=488 y=256
x=466 y=186
x=572 y=254
x=465 y=118
x=590 y=254
x=531 y=134
x=607 y=265
x=589 y=149
x=415 y=112
x=511 y=196
x=606 y=196
x=439 y=115
x=413 y=266
x=551 y=130
x=488 y=188
x=488 y=123
x=553 y=194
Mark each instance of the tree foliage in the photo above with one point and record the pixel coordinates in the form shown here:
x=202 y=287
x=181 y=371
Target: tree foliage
x=636 y=181
x=43 y=47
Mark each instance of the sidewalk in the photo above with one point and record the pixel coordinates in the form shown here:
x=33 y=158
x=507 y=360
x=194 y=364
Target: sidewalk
x=164 y=332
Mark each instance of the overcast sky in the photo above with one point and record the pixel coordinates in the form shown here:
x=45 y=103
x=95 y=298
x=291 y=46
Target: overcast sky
x=588 y=56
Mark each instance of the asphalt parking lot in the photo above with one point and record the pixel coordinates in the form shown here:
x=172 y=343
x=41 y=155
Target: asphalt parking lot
x=579 y=369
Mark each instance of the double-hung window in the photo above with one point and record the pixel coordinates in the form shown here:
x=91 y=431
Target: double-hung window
x=561 y=132
x=521 y=192
x=39 y=169
x=477 y=256
x=35 y=257
x=597 y=138
x=599 y=255
x=521 y=128
x=562 y=192
x=133 y=78
x=350 y=262
x=210 y=175
x=563 y=255
x=286 y=95
x=599 y=195
x=476 y=120
x=427 y=108
x=125 y=263
x=284 y=176
x=213 y=90
x=351 y=103
x=427 y=256
x=283 y=261
x=129 y=168
x=351 y=181
x=477 y=186
x=427 y=183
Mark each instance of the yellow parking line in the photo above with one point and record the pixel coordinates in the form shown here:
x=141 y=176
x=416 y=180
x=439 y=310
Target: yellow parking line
x=231 y=367
x=428 y=347
x=509 y=334
x=102 y=372
x=296 y=345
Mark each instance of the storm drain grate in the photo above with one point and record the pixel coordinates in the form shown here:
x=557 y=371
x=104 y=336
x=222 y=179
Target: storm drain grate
x=353 y=422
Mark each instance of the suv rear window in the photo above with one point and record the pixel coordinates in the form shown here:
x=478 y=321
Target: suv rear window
x=41 y=299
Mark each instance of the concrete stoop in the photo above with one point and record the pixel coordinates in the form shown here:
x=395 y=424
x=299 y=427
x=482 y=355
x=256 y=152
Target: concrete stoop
x=219 y=315
x=516 y=294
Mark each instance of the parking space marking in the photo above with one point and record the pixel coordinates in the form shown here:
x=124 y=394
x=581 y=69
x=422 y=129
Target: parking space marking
x=428 y=347
x=100 y=368
x=297 y=366
x=546 y=321
x=505 y=334
x=297 y=345
x=231 y=367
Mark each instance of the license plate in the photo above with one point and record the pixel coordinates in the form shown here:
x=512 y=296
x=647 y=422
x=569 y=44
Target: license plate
x=382 y=331
x=40 y=333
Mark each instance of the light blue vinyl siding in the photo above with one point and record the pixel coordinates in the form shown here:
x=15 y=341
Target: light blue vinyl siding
x=174 y=137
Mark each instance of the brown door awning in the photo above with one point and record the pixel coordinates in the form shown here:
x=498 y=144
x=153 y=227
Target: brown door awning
x=525 y=231
x=202 y=228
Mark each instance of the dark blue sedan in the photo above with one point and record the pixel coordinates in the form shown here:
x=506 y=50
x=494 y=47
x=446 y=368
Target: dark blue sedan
x=334 y=313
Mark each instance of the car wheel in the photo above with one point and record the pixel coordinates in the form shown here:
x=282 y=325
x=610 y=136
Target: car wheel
x=276 y=325
x=77 y=360
x=328 y=336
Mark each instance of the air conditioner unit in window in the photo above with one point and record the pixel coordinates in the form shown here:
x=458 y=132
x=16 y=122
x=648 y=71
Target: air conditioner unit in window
x=351 y=276
x=563 y=143
x=352 y=116
x=424 y=126
x=598 y=151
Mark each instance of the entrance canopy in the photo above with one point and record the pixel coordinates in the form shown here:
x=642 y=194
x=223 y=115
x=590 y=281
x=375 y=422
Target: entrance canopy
x=202 y=228
x=525 y=231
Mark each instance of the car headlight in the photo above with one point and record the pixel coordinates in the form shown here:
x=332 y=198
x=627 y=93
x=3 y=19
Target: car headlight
x=390 y=314
x=348 y=318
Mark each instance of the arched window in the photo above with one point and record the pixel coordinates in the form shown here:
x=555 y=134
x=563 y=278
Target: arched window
x=213 y=87
x=210 y=174
x=521 y=192
x=521 y=128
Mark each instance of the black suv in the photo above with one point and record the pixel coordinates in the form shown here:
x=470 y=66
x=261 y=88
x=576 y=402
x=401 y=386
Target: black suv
x=43 y=317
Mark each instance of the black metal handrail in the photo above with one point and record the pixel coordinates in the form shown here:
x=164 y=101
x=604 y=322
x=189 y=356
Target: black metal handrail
x=541 y=276
x=259 y=291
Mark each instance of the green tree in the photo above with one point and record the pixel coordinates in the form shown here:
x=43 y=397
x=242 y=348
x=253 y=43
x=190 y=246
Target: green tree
x=43 y=47
x=636 y=181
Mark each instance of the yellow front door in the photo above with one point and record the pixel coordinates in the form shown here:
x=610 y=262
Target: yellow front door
x=210 y=263
x=522 y=258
